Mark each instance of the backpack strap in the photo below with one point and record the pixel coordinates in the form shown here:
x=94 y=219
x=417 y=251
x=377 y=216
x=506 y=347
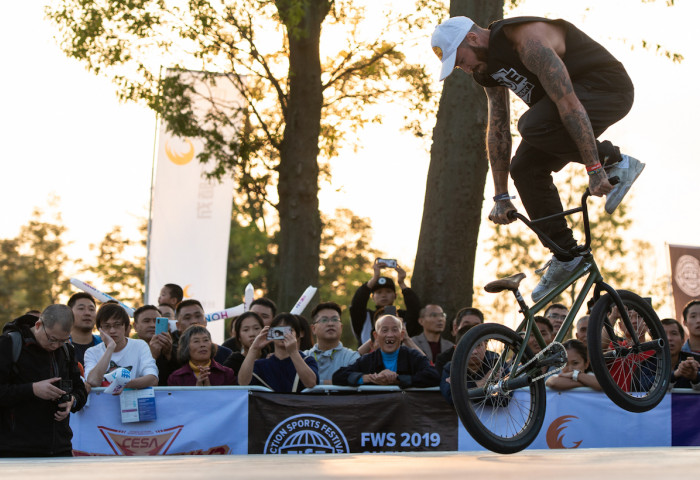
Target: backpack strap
x=16 y=338
x=16 y=346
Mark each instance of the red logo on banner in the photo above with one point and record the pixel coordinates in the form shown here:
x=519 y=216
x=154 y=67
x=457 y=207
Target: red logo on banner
x=555 y=437
x=140 y=443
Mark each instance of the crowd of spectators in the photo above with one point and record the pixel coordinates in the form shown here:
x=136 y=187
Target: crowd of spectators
x=289 y=353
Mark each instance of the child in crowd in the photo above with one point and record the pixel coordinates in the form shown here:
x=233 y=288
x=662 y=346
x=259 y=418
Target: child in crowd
x=575 y=373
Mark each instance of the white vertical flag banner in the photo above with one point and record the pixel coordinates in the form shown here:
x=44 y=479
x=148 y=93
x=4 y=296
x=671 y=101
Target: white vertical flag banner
x=191 y=215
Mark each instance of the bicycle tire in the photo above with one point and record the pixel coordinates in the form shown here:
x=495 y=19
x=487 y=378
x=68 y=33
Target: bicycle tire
x=634 y=377
x=499 y=425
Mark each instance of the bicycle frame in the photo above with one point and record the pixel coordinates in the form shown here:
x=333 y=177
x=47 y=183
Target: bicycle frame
x=587 y=267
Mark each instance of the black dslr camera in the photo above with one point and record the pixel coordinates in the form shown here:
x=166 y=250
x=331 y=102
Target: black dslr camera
x=66 y=386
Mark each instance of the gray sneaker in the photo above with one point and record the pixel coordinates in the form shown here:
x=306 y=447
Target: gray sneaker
x=557 y=271
x=627 y=171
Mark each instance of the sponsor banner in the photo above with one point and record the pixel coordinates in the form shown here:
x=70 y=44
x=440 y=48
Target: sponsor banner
x=184 y=425
x=686 y=421
x=355 y=423
x=191 y=215
x=685 y=275
x=586 y=419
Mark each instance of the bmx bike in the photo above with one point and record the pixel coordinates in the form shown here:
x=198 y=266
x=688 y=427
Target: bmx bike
x=498 y=382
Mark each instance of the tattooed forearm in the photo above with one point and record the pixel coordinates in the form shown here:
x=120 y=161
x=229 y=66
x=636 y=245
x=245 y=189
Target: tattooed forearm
x=498 y=139
x=578 y=125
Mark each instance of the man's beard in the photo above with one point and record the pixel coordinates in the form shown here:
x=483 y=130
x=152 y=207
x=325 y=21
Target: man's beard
x=482 y=54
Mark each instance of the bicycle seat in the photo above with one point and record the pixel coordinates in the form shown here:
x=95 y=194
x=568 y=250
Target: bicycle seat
x=508 y=283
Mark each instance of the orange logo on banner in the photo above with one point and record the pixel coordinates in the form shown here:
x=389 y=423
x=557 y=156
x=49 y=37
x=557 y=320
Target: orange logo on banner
x=140 y=443
x=555 y=436
x=180 y=158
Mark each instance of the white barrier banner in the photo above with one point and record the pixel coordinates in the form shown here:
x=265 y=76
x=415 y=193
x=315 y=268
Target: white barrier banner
x=587 y=419
x=191 y=215
x=185 y=425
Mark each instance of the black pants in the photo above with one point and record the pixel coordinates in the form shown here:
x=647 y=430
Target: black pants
x=546 y=147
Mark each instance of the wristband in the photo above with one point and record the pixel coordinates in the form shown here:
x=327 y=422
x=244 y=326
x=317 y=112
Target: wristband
x=594 y=169
x=503 y=196
x=574 y=375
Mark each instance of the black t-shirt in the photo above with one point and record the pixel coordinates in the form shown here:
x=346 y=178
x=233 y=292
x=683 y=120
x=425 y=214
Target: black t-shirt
x=81 y=348
x=586 y=60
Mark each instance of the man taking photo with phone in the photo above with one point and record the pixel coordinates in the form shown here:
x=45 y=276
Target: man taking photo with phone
x=40 y=385
x=383 y=292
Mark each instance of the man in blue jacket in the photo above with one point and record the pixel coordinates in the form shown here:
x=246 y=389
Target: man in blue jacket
x=391 y=363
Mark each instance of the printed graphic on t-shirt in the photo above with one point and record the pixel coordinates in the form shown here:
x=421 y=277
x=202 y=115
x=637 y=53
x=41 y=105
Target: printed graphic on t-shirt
x=514 y=81
x=113 y=366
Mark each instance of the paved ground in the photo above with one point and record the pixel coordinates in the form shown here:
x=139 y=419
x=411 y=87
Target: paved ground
x=620 y=463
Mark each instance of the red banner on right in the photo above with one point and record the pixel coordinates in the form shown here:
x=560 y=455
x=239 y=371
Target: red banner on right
x=685 y=276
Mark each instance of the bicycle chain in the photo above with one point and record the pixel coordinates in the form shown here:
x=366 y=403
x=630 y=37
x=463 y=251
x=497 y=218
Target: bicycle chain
x=540 y=355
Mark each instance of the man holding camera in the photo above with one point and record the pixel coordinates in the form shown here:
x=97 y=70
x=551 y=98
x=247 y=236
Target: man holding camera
x=383 y=292
x=39 y=385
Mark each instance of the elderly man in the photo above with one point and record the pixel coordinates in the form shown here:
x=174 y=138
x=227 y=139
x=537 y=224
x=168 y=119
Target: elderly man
x=391 y=363
x=40 y=386
x=430 y=341
x=329 y=352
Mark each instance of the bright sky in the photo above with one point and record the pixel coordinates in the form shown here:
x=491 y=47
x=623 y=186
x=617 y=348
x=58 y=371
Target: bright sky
x=64 y=132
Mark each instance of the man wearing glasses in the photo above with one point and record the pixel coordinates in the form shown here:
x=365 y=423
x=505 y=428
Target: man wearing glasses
x=40 y=389
x=433 y=320
x=329 y=352
x=556 y=313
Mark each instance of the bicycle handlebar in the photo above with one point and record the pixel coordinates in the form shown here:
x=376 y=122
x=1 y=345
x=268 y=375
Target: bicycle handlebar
x=578 y=249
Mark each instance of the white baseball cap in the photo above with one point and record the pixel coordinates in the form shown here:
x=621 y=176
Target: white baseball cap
x=446 y=38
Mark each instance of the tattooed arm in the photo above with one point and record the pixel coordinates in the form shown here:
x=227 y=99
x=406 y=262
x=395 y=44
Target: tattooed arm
x=498 y=145
x=540 y=47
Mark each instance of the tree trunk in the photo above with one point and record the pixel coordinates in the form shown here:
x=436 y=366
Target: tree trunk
x=300 y=221
x=444 y=266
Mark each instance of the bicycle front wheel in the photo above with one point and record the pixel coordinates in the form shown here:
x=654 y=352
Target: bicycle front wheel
x=633 y=373
x=501 y=420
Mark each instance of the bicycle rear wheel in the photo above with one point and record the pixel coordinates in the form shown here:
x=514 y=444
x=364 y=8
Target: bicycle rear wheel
x=634 y=375
x=501 y=420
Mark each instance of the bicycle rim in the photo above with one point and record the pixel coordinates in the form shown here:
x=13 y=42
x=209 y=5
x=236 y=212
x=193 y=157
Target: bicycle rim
x=634 y=375
x=502 y=422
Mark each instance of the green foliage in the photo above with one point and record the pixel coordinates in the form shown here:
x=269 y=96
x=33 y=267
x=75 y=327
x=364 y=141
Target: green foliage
x=121 y=265
x=346 y=257
x=248 y=44
x=32 y=266
x=251 y=259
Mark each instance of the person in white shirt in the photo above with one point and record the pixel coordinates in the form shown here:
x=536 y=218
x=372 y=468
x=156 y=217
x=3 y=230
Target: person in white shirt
x=118 y=350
